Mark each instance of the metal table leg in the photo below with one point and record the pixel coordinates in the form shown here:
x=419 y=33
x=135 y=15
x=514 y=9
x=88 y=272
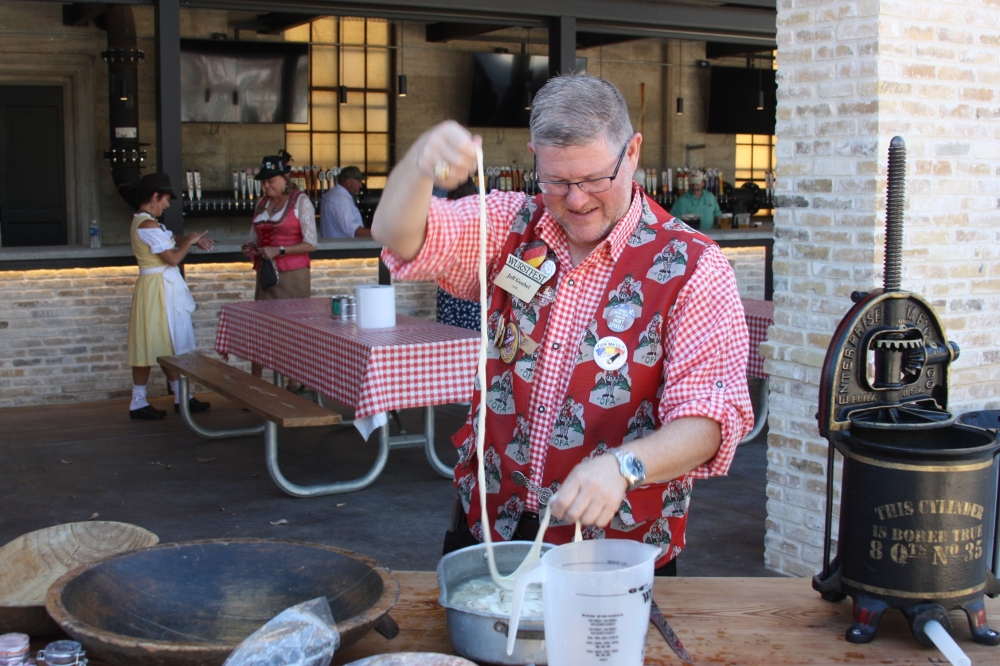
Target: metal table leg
x=760 y=414
x=335 y=488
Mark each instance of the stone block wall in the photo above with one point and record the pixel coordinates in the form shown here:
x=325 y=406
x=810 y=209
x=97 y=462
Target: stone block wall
x=748 y=265
x=851 y=75
x=63 y=333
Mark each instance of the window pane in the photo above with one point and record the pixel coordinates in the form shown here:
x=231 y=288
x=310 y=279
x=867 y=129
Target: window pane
x=325 y=150
x=352 y=114
x=299 y=33
x=378 y=31
x=354 y=67
x=324 y=110
x=377 y=112
x=325 y=30
x=297 y=145
x=743 y=157
x=325 y=72
x=378 y=153
x=352 y=150
x=378 y=68
x=760 y=156
x=352 y=30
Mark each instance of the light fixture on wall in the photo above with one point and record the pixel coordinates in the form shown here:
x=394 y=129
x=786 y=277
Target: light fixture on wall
x=760 y=90
x=680 y=81
x=402 y=64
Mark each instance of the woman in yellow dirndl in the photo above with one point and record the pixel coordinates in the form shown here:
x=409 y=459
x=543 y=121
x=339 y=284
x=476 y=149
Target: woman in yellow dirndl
x=160 y=322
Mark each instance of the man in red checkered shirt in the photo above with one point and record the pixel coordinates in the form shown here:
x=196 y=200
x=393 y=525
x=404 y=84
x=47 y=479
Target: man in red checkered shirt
x=619 y=376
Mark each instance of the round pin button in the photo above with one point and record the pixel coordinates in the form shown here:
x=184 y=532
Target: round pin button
x=621 y=318
x=610 y=353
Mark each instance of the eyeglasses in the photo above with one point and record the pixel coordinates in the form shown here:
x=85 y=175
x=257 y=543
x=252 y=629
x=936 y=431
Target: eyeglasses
x=592 y=186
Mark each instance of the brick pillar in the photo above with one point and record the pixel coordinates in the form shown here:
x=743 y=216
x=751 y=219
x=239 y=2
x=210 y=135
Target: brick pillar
x=851 y=75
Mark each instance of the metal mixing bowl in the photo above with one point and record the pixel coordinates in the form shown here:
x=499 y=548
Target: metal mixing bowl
x=482 y=636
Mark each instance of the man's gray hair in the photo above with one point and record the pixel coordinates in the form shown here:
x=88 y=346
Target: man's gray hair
x=576 y=110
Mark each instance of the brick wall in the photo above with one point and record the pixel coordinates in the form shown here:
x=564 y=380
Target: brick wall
x=851 y=76
x=748 y=264
x=63 y=333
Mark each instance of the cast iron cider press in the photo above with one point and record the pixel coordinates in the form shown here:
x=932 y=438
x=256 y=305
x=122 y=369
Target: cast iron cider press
x=919 y=491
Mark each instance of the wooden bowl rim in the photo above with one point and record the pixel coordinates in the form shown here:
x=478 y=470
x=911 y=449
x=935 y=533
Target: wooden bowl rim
x=75 y=627
x=89 y=523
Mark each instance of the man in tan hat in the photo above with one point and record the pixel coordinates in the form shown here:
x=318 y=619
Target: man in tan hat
x=696 y=201
x=339 y=215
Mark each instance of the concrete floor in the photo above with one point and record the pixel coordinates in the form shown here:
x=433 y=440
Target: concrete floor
x=68 y=463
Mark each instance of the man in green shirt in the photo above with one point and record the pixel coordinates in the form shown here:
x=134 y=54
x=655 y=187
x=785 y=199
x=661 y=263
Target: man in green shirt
x=696 y=201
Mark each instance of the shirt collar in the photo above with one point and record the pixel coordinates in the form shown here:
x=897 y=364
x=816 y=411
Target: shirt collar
x=617 y=240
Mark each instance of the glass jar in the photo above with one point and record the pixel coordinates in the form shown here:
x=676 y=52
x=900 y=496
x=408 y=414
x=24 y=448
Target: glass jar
x=14 y=649
x=62 y=653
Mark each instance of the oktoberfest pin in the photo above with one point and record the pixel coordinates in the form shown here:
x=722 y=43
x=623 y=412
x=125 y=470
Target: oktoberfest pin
x=620 y=318
x=511 y=343
x=610 y=353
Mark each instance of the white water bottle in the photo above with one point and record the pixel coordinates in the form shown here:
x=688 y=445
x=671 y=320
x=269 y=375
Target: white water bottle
x=95 y=234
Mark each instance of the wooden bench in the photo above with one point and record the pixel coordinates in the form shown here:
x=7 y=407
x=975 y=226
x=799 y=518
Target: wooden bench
x=277 y=406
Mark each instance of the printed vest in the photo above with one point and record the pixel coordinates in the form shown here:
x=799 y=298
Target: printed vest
x=286 y=232
x=602 y=409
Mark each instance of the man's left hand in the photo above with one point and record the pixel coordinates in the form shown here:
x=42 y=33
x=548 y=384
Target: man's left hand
x=592 y=493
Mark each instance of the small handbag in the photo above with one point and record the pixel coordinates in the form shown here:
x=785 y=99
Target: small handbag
x=268 y=274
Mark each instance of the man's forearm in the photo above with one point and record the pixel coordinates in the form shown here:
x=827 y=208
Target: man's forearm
x=400 y=221
x=677 y=448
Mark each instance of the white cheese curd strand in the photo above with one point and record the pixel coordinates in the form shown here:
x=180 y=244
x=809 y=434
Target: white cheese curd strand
x=502 y=582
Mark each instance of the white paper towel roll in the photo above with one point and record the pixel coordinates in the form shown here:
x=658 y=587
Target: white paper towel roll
x=376 y=306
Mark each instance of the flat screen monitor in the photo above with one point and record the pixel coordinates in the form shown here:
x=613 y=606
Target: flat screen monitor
x=733 y=98
x=244 y=81
x=501 y=84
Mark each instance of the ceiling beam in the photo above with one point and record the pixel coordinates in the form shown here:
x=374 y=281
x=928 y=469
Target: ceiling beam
x=637 y=17
x=446 y=32
x=80 y=14
x=274 y=22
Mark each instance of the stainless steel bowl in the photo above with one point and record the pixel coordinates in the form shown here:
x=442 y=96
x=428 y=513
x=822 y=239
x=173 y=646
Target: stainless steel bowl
x=481 y=636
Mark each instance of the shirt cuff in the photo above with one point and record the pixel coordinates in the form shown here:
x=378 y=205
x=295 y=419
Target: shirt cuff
x=730 y=423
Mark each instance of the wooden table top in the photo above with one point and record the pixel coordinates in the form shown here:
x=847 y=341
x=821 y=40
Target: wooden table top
x=719 y=620
x=733 y=621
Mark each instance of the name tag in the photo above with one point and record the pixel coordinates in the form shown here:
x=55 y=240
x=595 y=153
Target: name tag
x=520 y=279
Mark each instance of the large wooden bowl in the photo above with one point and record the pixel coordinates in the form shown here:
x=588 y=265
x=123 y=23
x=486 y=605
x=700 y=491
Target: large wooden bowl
x=191 y=604
x=31 y=563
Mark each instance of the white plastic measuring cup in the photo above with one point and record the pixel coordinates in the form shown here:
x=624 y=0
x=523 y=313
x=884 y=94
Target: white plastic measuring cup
x=596 y=598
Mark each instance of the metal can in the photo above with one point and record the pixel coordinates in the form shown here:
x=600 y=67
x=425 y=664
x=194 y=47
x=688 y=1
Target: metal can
x=335 y=306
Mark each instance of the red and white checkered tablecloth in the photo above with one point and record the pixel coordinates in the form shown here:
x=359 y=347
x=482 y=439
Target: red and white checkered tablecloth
x=760 y=315
x=413 y=364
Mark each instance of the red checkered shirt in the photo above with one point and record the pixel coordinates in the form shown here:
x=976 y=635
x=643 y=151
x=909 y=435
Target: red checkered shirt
x=705 y=358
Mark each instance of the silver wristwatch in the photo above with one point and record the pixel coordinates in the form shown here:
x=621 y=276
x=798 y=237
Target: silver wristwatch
x=631 y=468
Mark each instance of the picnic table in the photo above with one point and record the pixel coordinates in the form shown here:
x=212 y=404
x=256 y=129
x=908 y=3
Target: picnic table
x=416 y=363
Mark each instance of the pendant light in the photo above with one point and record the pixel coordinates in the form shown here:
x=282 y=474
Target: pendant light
x=401 y=88
x=680 y=80
x=341 y=89
x=760 y=90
